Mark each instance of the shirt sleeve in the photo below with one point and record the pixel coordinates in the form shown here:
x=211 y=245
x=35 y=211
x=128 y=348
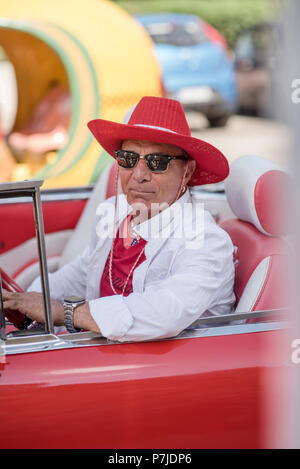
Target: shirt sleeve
x=69 y=280
x=199 y=280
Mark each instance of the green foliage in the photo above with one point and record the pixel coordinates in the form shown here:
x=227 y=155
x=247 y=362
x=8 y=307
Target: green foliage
x=229 y=17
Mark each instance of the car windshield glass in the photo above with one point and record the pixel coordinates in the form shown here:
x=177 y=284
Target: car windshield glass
x=186 y=34
x=31 y=189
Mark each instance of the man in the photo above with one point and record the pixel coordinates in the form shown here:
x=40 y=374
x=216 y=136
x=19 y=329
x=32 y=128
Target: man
x=147 y=272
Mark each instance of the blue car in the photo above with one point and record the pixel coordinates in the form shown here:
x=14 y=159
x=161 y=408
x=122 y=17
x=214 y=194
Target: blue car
x=196 y=66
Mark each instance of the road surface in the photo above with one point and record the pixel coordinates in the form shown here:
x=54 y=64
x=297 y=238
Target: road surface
x=245 y=135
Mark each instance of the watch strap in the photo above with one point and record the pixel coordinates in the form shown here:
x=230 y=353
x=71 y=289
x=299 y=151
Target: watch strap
x=69 y=317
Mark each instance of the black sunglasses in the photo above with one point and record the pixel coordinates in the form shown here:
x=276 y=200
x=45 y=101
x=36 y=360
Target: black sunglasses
x=156 y=162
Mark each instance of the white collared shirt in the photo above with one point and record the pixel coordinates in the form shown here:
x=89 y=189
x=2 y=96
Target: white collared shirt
x=188 y=273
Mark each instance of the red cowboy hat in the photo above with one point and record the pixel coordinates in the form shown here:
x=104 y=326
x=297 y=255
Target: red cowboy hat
x=163 y=120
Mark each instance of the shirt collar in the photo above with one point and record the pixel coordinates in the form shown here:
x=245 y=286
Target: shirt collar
x=159 y=225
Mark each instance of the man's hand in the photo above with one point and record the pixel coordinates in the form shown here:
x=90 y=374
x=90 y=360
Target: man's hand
x=31 y=304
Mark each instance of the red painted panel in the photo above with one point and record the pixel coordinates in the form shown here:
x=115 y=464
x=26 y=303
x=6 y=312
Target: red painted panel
x=271 y=205
x=17 y=220
x=191 y=393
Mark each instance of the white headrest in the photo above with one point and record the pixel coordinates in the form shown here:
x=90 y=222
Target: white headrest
x=257 y=191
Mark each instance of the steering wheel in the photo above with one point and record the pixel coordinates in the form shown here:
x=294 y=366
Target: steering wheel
x=18 y=319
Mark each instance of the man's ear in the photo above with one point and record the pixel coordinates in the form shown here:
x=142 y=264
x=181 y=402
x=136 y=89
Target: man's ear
x=190 y=170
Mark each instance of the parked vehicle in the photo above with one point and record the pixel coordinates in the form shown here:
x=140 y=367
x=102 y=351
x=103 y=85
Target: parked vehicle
x=216 y=385
x=196 y=66
x=254 y=63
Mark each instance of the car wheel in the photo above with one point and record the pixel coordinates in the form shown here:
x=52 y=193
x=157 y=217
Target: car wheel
x=218 y=121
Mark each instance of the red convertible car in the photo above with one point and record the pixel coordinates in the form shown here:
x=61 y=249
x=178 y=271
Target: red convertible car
x=216 y=385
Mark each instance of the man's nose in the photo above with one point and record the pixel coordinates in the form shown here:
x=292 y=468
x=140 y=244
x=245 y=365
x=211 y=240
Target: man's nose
x=141 y=172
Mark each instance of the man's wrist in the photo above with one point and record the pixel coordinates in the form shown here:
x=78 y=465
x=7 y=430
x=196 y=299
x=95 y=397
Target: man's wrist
x=83 y=319
x=78 y=316
x=59 y=320
x=57 y=312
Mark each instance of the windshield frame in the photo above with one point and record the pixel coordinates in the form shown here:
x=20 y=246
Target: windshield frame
x=32 y=189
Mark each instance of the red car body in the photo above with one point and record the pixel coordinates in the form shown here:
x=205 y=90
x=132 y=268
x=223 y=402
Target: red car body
x=206 y=392
x=208 y=388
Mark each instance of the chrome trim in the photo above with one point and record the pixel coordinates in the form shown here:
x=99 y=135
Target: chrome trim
x=235 y=329
x=239 y=317
x=40 y=343
x=45 y=342
x=49 y=195
x=18 y=189
x=39 y=227
x=34 y=343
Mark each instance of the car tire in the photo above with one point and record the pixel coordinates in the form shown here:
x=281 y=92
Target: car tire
x=218 y=121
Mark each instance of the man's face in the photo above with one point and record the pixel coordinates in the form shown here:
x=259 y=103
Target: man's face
x=142 y=186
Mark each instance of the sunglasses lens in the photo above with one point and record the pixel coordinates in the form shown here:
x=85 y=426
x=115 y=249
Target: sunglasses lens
x=158 y=163
x=126 y=159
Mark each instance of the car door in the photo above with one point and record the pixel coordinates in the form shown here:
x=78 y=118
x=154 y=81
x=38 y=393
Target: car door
x=208 y=388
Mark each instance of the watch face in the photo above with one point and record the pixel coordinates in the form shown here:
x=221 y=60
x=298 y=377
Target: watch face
x=74 y=299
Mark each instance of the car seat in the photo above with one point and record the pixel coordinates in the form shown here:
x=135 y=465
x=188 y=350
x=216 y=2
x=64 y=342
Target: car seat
x=258 y=194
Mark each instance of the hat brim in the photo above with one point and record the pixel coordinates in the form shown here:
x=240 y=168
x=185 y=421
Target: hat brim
x=211 y=164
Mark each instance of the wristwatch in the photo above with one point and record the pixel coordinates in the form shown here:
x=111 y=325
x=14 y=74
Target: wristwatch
x=70 y=304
